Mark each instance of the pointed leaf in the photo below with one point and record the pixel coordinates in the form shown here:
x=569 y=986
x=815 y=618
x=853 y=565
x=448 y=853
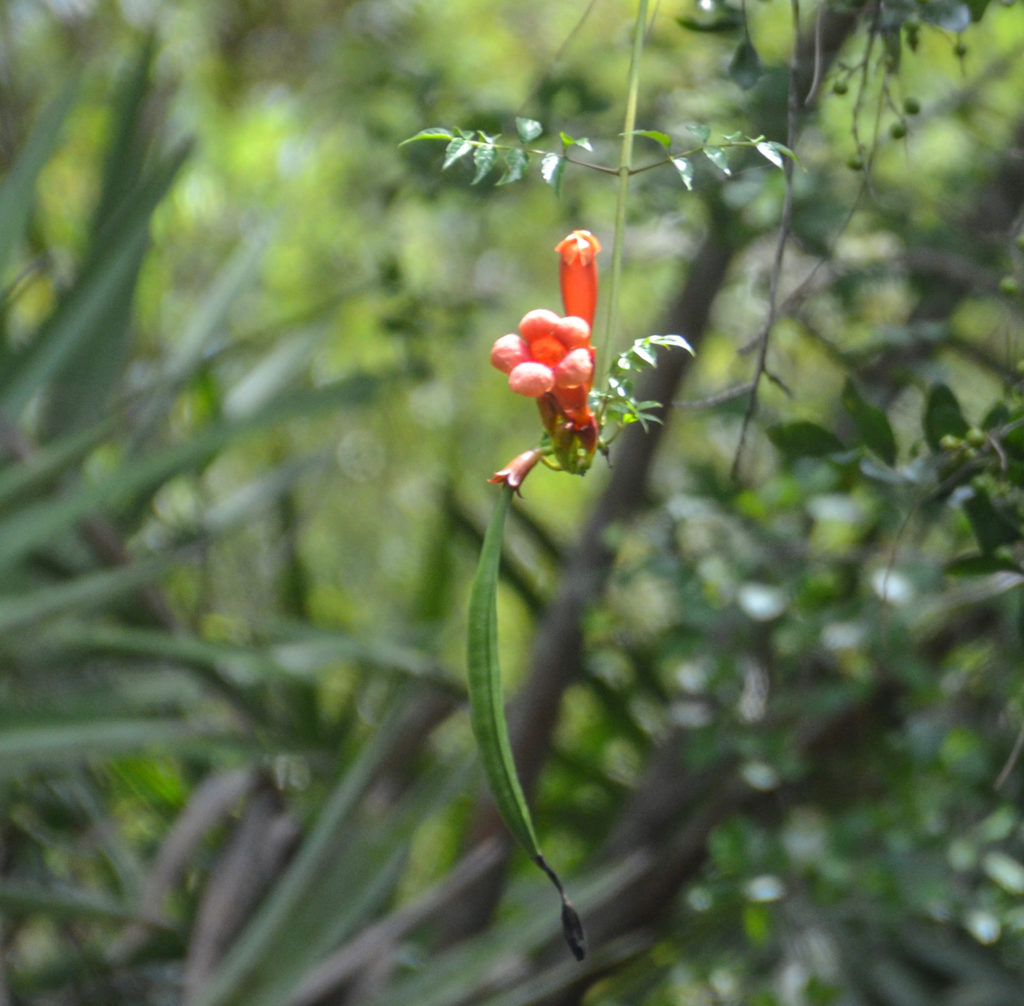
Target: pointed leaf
x=528 y=129
x=700 y=133
x=981 y=565
x=716 y=155
x=58 y=744
x=685 y=169
x=745 y=66
x=125 y=155
x=872 y=425
x=992 y=525
x=673 y=340
x=17 y=190
x=83 y=593
x=569 y=141
x=431 y=133
x=552 y=168
x=645 y=355
x=804 y=439
x=484 y=159
x=653 y=134
x=19 y=899
x=773 y=147
x=83 y=384
x=455 y=150
x=942 y=416
x=516 y=161
x=80 y=317
x=771 y=153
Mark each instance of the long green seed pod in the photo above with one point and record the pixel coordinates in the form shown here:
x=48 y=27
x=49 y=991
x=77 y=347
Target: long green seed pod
x=487 y=713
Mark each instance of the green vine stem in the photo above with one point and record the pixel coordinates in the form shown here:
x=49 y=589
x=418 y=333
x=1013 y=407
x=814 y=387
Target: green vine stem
x=625 y=169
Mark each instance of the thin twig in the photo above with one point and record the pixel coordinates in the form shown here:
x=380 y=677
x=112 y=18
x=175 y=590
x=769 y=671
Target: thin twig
x=720 y=398
x=785 y=227
x=819 y=62
x=1011 y=761
x=573 y=32
x=13 y=289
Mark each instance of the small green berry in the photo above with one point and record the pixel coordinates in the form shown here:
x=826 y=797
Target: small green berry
x=898 y=130
x=911 y=106
x=1020 y=241
x=855 y=163
x=840 y=87
x=960 y=49
x=1009 y=286
x=949 y=442
x=975 y=437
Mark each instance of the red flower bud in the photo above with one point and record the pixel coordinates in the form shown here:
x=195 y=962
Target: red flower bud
x=576 y=369
x=572 y=332
x=509 y=351
x=531 y=379
x=537 y=323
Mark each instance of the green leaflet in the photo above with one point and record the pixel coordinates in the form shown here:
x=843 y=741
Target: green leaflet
x=487 y=713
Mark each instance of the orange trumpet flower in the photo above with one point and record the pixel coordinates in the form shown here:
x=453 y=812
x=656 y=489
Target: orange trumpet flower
x=578 y=274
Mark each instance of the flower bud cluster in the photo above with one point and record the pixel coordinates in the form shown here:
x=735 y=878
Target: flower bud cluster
x=550 y=354
x=551 y=360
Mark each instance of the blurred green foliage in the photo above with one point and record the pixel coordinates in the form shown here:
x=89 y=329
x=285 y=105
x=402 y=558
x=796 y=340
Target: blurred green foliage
x=246 y=421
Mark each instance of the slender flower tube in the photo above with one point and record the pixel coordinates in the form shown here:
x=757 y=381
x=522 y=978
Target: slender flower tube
x=578 y=274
